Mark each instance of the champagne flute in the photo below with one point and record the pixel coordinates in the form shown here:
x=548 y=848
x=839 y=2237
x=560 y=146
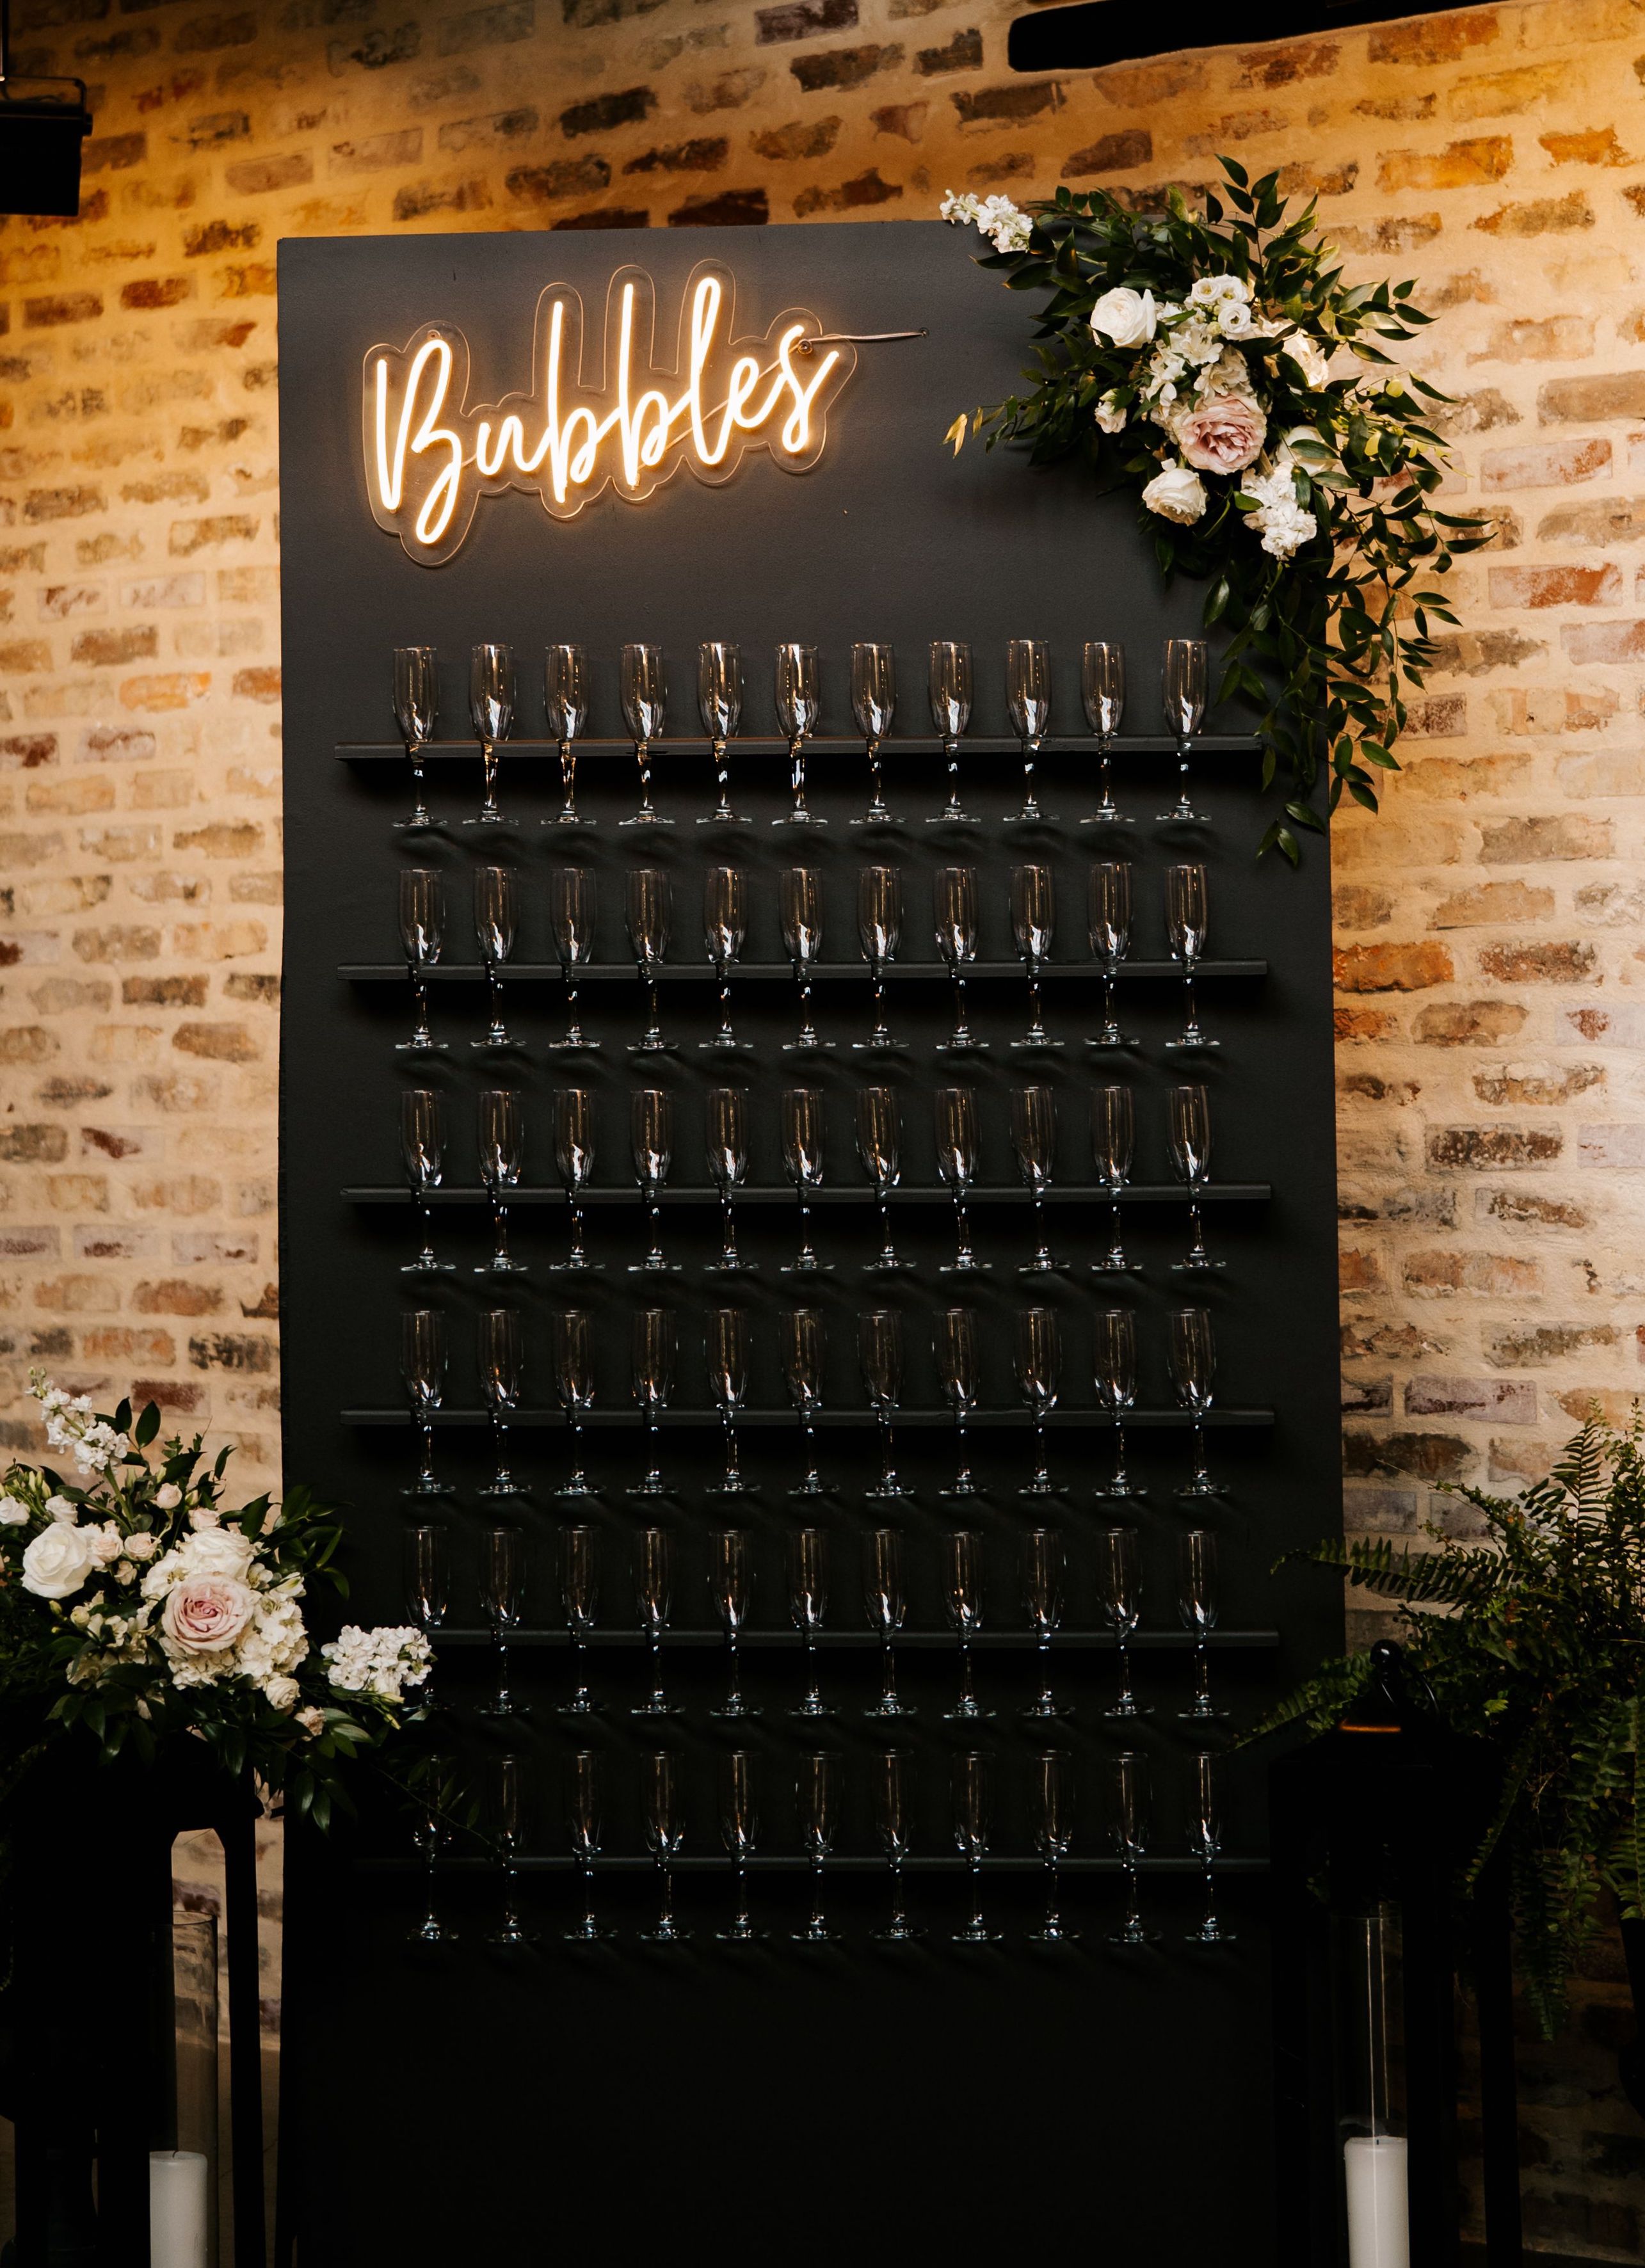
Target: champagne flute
x=651 y=1117
x=1196 y=1604
x=431 y=1834
x=1053 y=1838
x=956 y=1163
x=501 y=1357
x=494 y=930
x=665 y=1831
x=1033 y=923
x=422 y=935
x=574 y=1162
x=1038 y=1359
x=725 y=926
x=428 y=1587
x=1113 y=1141
x=1205 y=1841
x=880 y=1352
x=573 y=904
x=423 y=1365
x=648 y=921
x=963 y=1590
x=423 y=1146
x=1193 y=1369
x=1185 y=918
x=728 y=1381
x=800 y=903
x=883 y=1596
x=954 y=902
x=803 y=1157
x=1111 y=941
x=808 y=1603
x=949 y=688
x=1028 y=703
x=1120 y=1588
x=892 y=1775
x=799 y=705
x=873 y=705
x=654 y=1349
x=878 y=1127
x=582 y=1815
x=503 y=1596
x=727 y=1152
x=1190 y=1154
x=1183 y=688
x=1115 y=1374
x=1034 y=1145
x=802 y=1345
x=1102 y=689
x=719 y=705
x=738 y=1825
x=565 y=703
x=731 y=1583
x=574 y=1382
x=1131 y=1807
x=819 y=1809
x=502 y=1156
x=1043 y=1573
x=880 y=929
x=579 y=1595
x=416 y=706
x=508 y=1806
x=956 y=1368
x=644 y=680
x=491 y=713
x=650 y=1591
x=970 y=1834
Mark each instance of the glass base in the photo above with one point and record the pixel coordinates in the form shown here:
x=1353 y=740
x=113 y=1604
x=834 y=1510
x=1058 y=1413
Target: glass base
x=503 y=1487
x=1056 y=1933
x=966 y=1046
x=724 y=819
x=891 y=1265
x=672 y=1934
x=658 y=1488
x=511 y=1713
x=576 y=1268
x=429 y=1488
x=1107 y=818
x=1043 y=1045
x=1042 y=1488
x=429 y=1267
x=1102 y=1044
x=739 y=1933
x=568 y=819
x=885 y=1047
x=878 y=818
x=883 y=1491
x=1181 y=816
x=976 y=1933
x=1188 y=1047
x=645 y=818
x=954 y=819
x=1048 y=1712
x=488 y=819
x=1129 y=1494
x=1108 y=1266
x=1127 y=1713
x=726 y=1485
x=1051 y=1266
x=656 y=1268
x=815 y=1933
x=1207 y=1713
x=583 y=1491
x=1198 y=1488
x=1209 y=1932
x=419 y=823
x=583 y=1934
x=735 y=1712
x=1136 y=1936
x=570 y=1047
x=656 y=1708
x=431 y=1932
x=579 y=1709
x=422 y=1047
x=511 y=1936
x=798 y=818
x=720 y=1046
x=812 y=1489
x=970 y=1267
x=808 y=1047
x=653 y=1048
x=813 y=1711
x=501 y=1268
x=882 y=1709
x=498 y=1044
x=731 y=1267
x=1036 y=818
x=958 y=1491
x=973 y=1714
x=896 y=1933
x=1205 y=1267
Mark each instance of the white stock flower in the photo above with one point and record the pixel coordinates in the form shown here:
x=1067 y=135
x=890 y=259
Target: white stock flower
x=380 y=1662
x=1177 y=494
x=57 y=1562
x=1125 y=318
x=1006 y=226
x=1279 y=520
x=1309 y=357
x=1110 y=417
x=12 y=1514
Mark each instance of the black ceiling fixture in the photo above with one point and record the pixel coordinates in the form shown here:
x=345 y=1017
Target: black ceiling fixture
x=1098 y=32
x=43 y=124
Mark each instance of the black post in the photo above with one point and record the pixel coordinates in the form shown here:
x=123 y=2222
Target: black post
x=1499 y=2105
x=238 y=1835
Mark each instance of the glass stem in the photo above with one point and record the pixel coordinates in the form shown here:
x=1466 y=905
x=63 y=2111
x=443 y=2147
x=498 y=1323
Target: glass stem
x=657 y=1698
x=568 y=778
x=1133 y=1903
x=1183 y=807
x=951 y=757
x=1047 y=1706
x=421 y=1036
x=499 y=1232
x=967 y=1692
x=579 y=1669
x=504 y=1703
x=665 y=1912
x=733 y=1690
x=577 y=1257
x=1030 y=809
x=430 y=1924
x=1201 y=1475
x=642 y=757
x=1106 y=808
x=888 y=1254
x=1202 y=1677
x=722 y=781
x=419 y=807
x=1037 y=1024
x=978 y=1925
x=1127 y=1704
x=899 y=1915
x=816 y=1894
x=1191 y=1013
x=590 y=1926
x=887 y=1677
x=725 y=1037
x=425 y=1474
x=888 y=1472
x=497 y=1036
x=964 y=1257
x=1198 y=1256
x=654 y=1036
x=1115 y=1243
x=876 y=801
x=1053 y=1920
x=1121 y=1485
x=488 y=769
x=962 y=1029
x=797 y=776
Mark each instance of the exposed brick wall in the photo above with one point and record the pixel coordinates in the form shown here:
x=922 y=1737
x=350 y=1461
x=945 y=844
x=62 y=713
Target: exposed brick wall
x=1493 y=1131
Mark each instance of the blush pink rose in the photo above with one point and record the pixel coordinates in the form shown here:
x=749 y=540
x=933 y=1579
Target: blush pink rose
x=1224 y=435
x=206 y=1614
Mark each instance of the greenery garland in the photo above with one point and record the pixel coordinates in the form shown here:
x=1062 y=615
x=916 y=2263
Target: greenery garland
x=1193 y=359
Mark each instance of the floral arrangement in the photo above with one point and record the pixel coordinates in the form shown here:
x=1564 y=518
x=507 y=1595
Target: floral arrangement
x=1217 y=364
x=135 y=1604
x=1533 y=1638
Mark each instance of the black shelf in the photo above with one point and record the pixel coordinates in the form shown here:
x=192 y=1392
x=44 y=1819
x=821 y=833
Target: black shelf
x=1061 y=1421
x=760 y=1862
x=458 y=1194
x=763 y=972
x=858 y=1641
x=825 y=744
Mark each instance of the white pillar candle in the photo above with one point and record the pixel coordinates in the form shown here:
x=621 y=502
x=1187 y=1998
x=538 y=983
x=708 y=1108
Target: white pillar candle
x=1379 y=2209
x=177 y=2209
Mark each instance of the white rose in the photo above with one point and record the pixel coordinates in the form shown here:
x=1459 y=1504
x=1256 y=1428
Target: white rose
x=1309 y=357
x=57 y=1562
x=205 y=1515
x=217 y=1551
x=205 y=1614
x=1110 y=417
x=12 y=1514
x=281 y=1693
x=104 y=1542
x=1176 y=494
x=312 y=1721
x=1125 y=317
x=168 y=1496
x=141 y=1546
x=60 y=1508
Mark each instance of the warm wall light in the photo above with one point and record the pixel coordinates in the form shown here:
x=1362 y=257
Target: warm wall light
x=429 y=457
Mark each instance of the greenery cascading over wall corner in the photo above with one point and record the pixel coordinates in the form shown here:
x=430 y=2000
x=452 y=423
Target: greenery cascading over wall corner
x=1195 y=359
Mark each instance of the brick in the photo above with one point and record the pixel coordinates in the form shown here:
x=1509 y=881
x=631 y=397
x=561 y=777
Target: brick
x=1489 y=902
x=1601 y=775
x=170 y=690
x=1568 y=962
x=1545 y=464
x=1536 y=1083
x=376 y=50
x=1555 y=587
x=1111 y=153
x=113 y=153
x=1429 y=1456
x=52 y=310
x=1392 y=968
x=731 y=209
x=1542 y=216
x=255 y=177
x=1609 y=519
x=232 y=1351
x=1492 y=1149
x=501 y=27
x=1007 y=106
x=1591 y=145
x=1359 y=1271
x=706 y=154
x=1522 y=842
x=176 y=1296
x=1621 y=1147
x=963 y=52
x=1533 y=1346
x=221 y=1042
x=1460 y=165
x=1486 y=1274
x=1588 y=401
x=32 y=1145
x=866 y=190
x=803 y=19
x=375 y=152
x=566 y=177
x=802 y=138
x=1506 y=1401
x=1522 y=1206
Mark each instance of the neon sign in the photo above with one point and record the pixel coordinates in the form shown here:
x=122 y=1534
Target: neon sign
x=429 y=457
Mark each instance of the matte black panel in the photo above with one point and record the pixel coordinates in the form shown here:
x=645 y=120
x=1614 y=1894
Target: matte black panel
x=851 y=2101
